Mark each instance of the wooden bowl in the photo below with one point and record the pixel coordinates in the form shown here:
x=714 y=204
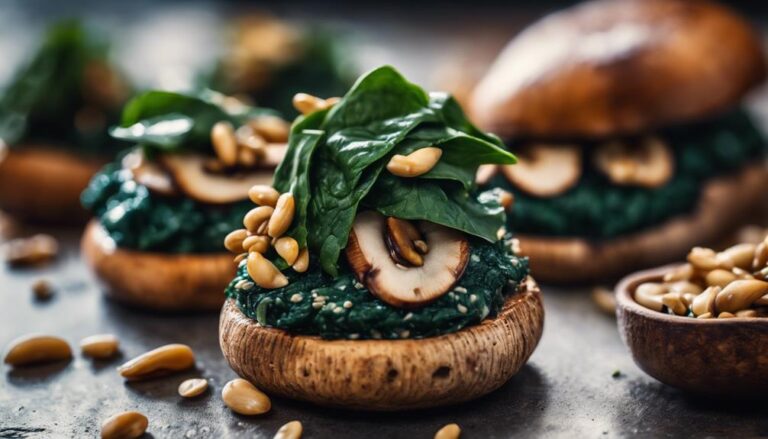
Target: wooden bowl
x=43 y=184
x=386 y=375
x=157 y=281
x=721 y=357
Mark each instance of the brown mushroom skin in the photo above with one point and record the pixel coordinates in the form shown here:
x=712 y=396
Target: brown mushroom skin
x=43 y=183
x=607 y=67
x=157 y=281
x=386 y=375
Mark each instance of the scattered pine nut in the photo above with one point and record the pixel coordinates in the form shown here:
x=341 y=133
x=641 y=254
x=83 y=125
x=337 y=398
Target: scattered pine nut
x=450 y=431
x=193 y=387
x=224 y=143
x=244 y=398
x=291 y=430
x=42 y=289
x=37 y=349
x=161 y=361
x=36 y=250
x=100 y=346
x=605 y=300
x=125 y=425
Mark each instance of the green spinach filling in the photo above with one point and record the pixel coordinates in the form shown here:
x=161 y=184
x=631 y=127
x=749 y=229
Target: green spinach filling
x=598 y=209
x=66 y=95
x=314 y=303
x=137 y=219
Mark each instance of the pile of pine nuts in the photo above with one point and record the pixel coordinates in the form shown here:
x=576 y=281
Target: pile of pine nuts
x=245 y=147
x=264 y=227
x=728 y=284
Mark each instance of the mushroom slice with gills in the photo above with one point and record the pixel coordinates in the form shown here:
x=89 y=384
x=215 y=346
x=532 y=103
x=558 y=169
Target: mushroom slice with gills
x=647 y=162
x=191 y=178
x=545 y=170
x=149 y=174
x=399 y=285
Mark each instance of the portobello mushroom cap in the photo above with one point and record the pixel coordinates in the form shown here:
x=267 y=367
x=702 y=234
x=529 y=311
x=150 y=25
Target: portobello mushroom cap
x=386 y=375
x=43 y=183
x=157 y=281
x=606 y=68
x=399 y=285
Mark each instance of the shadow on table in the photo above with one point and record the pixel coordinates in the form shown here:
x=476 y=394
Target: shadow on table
x=515 y=407
x=36 y=374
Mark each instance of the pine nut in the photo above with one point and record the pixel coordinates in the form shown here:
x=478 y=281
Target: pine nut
x=234 y=240
x=719 y=277
x=35 y=349
x=283 y=217
x=706 y=315
x=704 y=259
x=305 y=103
x=450 y=431
x=250 y=140
x=302 y=262
x=649 y=295
x=42 y=290
x=272 y=128
x=740 y=294
x=684 y=272
x=263 y=195
x=240 y=258
x=740 y=255
x=741 y=273
x=161 y=361
x=416 y=163
x=256 y=217
x=244 y=398
x=605 y=300
x=248 y=157
x=256 y=243
x=125 y=425
x=763 y=301
x=193 y=387
x=675 y=303
x=749 y=313
x=291 y=430
x=761 y=256
x=264 y=273
x=224 y=142
x=99 y=346
x=330 y=102
x=704 y=303
x=35 y=250
x=288 y=249
x=685 y=287
x=725 y=315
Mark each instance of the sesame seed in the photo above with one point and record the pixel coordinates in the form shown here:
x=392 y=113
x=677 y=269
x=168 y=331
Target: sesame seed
x=475 y=258
x=247 y=285
x=408 y=316
x=347 y=304
x=342 y=288
x=472 y=298
x=317 y=305
x=462 y=309
x=239 y=284
x=338 y=310
x=296 y=298
x=358 y=286
x=460 y=290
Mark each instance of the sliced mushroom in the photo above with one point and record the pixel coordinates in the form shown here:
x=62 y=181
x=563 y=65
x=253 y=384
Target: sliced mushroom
x=149 y=174
x=545 y=170
x=395 y=283
x=647 y=163
x=189 y=174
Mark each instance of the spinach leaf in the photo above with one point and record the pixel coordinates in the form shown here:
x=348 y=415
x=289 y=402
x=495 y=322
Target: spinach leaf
x=170 y=121
x=349 y=146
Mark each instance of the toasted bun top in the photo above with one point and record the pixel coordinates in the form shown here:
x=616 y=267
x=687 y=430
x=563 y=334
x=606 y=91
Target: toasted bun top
x=610 y=67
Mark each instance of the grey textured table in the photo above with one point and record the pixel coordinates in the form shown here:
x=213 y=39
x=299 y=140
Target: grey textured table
x=566 y=390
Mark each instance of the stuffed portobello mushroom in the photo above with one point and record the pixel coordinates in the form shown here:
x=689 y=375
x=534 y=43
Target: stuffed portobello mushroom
x=54 y=116
x=633 y=143
x=374 y=274
x=162 y=209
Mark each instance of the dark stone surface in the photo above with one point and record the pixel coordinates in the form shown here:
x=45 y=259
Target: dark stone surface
x=566 y=390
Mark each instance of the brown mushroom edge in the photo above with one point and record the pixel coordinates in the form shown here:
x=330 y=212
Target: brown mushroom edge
x=43 y=183
x=386 y=375
x=724 y=203
x=717 y=357
x=157 y=281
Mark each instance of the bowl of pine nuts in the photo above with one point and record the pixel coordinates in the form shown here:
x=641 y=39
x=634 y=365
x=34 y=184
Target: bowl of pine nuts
x=701 y=326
